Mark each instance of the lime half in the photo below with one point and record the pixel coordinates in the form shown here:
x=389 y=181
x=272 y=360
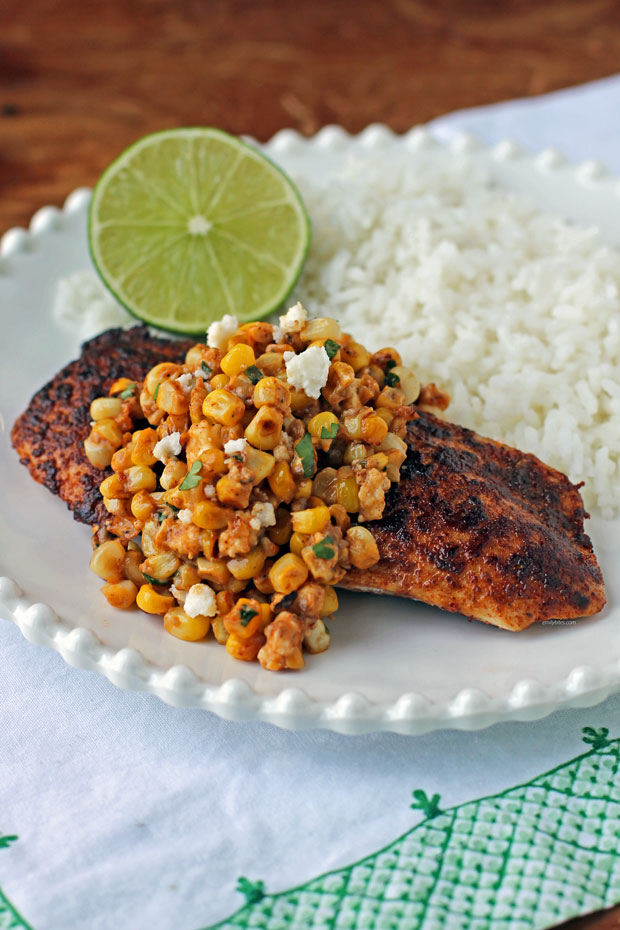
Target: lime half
x=189 y=224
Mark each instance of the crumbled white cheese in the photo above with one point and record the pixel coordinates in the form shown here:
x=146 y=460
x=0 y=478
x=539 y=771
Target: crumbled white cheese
x=177 y=593
x=278 y=334
x=255 y=524
x=287 y=356
x=264 y=513
x=220 y=332
x=200 y=601
x=308 y=371
x=209 y=490
x=168 y=447
x=186 y=380
x=293 y=319
x=235 y=445
x=185 y=516
x=201 y=373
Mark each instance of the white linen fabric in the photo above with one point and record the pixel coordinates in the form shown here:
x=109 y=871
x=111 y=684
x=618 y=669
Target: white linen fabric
x=133 y=814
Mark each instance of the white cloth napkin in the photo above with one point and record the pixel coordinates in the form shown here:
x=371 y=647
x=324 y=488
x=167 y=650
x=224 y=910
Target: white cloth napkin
x=132 y=814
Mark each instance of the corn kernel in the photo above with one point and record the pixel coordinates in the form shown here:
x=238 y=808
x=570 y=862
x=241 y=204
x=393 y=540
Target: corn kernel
x=219 y=381
x=374 y=429
x=347 y=493
x=312 y=520
x=355 y=355
x=304 y=489
x=330 y=602
x=121 y=384
x=214 y=570
x=323 y=421
x=142 y=505
x=272 y=391
x=107 y=560
x=316 y=637
x=296 y=543
x=385 y=414
x=173 y=474
x=158 y=374
x=352 y=426
x=261 y=464
x=161 y=565
x=383 y=356
x=321 y=328
x=172 y=398
x=407 y=382
x=223 y=407
x=265 y=429
x=210 y=516
x=299 y=401
x=120 y=595
x=220 y=632
x=141 y=478
x=143 y=443
x=324 y=485
x=247 y=566
x=355 y=452
x=245 y=649
x=115 y=486
x=237 y=359
x=281 y=532
x=152 y=602
x=270 y=363
x=190 y=629
x=282 y=483
x=103 y=408
x=363 y=550
x=288 y=573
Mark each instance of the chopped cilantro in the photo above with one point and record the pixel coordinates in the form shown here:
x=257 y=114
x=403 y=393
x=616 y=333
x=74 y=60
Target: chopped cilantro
x=192 y=478
x=323 y=549
x=305 y=451
x=246 y=613
x=331 y=348
x=237 y=457
x=390 y=364
x=208 y=371
x=128 y=391
x=329 y=432
x=156 y=392
x=152 y=580
x=254 y=374
x=391 y=379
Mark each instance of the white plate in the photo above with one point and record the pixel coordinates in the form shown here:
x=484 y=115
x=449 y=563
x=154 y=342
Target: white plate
x=393 y=664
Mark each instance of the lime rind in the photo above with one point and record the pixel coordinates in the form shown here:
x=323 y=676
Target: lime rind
x=249 y=200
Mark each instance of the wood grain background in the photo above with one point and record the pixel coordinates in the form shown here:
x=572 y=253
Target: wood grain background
x=81 y=79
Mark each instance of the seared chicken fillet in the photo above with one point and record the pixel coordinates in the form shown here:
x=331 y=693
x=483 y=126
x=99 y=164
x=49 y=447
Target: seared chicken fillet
x=474 y=526
x=49 y=436
x=482 y=529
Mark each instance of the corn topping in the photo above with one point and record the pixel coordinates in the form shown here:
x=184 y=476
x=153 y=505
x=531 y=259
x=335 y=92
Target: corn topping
x=239 y=482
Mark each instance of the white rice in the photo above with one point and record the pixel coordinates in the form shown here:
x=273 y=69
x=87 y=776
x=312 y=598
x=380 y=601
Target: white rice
x=515 y=312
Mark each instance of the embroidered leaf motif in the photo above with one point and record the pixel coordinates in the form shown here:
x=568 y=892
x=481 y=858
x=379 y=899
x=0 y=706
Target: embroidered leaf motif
x=253 y=891
x=428 y=806
x=597 y=738
x=5 y=841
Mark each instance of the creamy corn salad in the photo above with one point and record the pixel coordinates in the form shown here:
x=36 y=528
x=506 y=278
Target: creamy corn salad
x=242 y=504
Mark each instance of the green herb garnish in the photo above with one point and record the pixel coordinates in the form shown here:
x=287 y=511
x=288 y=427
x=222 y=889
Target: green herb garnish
x=305 y=451
x=323 y=549
x=391 y=379
x=331 y=348
x=208 y=371
x=390 y=364
x=329 y=432
x=192 y=478
x=128 y=391
x=156 y=392
x=254 y=374
x=246 y=613
x=152 y=580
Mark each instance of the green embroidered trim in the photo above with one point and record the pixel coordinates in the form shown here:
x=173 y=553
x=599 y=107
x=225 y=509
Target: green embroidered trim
x=10 y=918
x=536 y=854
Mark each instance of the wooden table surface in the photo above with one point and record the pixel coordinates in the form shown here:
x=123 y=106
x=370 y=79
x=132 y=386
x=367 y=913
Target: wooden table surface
x=80 y=80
